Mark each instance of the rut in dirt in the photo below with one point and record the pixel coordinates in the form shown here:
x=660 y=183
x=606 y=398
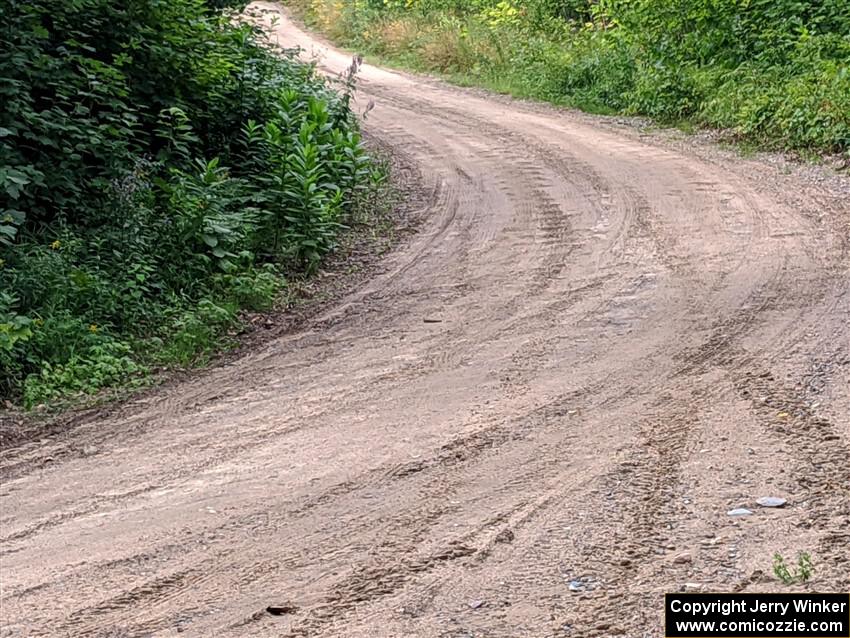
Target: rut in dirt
x=531 y=422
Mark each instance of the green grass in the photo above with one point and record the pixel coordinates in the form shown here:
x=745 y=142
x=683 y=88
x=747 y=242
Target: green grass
x=773 y=75
x=798 y=574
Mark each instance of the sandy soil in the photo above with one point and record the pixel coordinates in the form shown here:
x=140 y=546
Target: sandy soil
x=531 y=423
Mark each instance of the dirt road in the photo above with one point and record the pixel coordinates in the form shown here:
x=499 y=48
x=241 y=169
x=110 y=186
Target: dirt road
x=531 y=423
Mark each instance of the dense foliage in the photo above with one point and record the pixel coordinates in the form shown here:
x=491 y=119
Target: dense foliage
x=772 y=71
x=161 y=168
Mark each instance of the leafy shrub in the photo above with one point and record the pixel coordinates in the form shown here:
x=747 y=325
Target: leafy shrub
x=84 y=373
x=162 y=166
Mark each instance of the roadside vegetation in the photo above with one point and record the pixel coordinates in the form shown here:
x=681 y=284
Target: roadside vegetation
x=771 y=72
x=163 y=168
x=799 y=574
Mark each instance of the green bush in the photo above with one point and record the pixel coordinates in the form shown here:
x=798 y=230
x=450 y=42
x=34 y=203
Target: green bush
x=100 y=365
x=162 y=167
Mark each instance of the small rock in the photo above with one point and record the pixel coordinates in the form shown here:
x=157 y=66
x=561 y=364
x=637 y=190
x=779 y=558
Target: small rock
x=771 y=501
x=89 y=450
x=281 y=610
x=475 y=604
x=505 y=536
x=681 y=559
x=576 y=585
x=693 y=587
x=739 y=511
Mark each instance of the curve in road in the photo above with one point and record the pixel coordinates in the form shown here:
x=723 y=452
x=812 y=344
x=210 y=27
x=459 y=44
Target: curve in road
x=532 y=422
